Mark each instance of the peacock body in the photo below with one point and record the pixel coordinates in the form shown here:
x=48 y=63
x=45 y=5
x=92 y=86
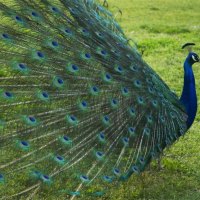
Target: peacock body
x=80 y=109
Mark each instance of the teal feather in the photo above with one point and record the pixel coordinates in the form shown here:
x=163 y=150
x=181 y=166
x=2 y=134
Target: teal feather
x=80 y=109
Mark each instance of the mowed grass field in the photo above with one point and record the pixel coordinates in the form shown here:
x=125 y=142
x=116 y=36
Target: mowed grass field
x=159 y=28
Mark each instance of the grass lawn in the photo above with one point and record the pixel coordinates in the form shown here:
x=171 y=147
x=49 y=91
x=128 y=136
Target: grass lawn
x=159 y=28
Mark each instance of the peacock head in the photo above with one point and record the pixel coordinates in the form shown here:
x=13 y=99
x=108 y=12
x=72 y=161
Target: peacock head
x=192 y=57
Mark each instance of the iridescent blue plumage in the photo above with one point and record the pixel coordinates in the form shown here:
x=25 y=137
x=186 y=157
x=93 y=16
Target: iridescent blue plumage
x=189 y=97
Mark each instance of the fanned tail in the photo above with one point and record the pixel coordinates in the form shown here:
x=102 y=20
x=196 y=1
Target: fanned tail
x=80 y=109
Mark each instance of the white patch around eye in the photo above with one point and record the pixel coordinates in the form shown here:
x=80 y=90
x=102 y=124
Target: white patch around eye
x=194 y=58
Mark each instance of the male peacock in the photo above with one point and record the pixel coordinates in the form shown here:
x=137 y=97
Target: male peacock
x=80 y=109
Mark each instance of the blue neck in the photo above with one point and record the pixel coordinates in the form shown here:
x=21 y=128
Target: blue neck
x=189 y=97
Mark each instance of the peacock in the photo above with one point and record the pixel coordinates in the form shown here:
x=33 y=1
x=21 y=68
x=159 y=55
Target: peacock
x=81 y=111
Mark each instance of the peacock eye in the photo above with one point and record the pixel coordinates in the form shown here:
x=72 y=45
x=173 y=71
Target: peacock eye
x=195 y=58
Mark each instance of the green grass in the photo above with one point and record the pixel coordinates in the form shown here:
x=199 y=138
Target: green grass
x=159 y=28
